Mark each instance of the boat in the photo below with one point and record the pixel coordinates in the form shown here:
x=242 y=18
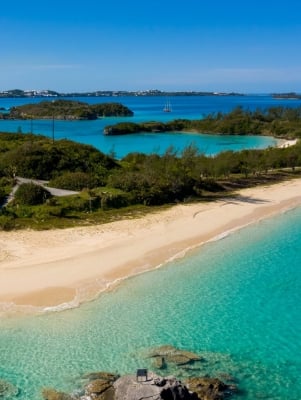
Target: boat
x=167 y=107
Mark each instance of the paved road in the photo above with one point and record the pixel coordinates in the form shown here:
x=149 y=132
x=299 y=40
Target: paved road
x=53 y=191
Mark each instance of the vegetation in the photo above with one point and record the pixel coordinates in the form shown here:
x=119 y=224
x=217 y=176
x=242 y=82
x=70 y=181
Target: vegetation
x=33 y=156
x=66 y=109
x=30 y=194
x=276 y=121
x=109 y=189
x=76 y=181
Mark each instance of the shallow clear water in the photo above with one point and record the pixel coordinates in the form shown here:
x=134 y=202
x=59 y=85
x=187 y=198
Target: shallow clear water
x=146 y=109
x=237 y=301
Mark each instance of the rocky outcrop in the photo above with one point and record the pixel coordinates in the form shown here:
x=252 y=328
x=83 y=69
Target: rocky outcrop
x=151 y=385
x=210 y=388
x=175 y=390
x=170 y=388
x=154 y=387
x=100 y=386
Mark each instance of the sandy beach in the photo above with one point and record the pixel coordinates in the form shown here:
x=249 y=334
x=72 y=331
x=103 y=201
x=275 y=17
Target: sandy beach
x=56 y=269
x=283 y=143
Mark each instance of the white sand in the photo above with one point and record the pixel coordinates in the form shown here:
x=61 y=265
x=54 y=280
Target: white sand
x=283 y=143
x=48 y=268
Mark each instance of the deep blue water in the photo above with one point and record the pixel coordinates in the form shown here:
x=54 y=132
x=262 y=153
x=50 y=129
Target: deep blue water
x=151 y=108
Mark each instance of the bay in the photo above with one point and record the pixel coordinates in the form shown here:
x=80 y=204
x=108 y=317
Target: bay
x=148 y=108
x=236 y=301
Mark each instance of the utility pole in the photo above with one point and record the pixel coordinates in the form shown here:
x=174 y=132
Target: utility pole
x=52 y=127
x=52 y=122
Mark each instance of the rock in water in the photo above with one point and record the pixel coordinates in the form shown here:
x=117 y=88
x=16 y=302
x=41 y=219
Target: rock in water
x=176 y=391
x=106 y=376
x=173 y=355
x=210 y=388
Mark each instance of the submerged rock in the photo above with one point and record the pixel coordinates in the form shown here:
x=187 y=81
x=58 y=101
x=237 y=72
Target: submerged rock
x=52 y=394
x=100 y=386
x=106 y=376
x=173 y=355
x=7 y=390
x=159 y=362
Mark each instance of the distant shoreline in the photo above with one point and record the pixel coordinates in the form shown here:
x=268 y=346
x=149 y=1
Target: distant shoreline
x=58 y=269
x=19 y=93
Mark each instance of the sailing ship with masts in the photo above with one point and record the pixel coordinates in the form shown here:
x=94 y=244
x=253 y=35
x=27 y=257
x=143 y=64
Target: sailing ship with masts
x=167 y=107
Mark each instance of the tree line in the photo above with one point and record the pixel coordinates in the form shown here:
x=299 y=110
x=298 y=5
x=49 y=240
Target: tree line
x=105 y=183
x=275 y=121
x=66 y=109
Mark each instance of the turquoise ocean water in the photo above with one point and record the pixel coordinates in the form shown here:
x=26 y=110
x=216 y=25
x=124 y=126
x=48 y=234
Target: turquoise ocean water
x=147 y=109
x=236 y=301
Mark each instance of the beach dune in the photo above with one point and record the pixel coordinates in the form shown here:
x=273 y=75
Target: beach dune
x=55 y=269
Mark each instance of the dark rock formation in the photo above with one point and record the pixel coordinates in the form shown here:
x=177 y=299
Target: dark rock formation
x=107 y=387
x=175 y=390
x=210 y=388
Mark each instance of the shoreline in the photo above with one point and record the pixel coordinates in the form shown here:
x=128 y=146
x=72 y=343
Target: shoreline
x=59 y=269
x=284 y=143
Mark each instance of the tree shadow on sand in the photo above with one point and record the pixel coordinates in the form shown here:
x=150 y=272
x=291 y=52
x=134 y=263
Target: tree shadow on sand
x=245 y=199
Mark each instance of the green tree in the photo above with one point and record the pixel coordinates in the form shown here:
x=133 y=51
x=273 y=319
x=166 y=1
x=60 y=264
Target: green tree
x=31 y=194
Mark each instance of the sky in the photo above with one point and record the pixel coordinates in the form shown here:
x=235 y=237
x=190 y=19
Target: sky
x=172 y=45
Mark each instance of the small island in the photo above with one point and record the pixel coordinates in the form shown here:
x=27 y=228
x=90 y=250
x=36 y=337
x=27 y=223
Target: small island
x=287 y=96
x=67 y=110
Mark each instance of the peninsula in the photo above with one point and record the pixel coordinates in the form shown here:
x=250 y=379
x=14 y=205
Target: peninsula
x=276 y=121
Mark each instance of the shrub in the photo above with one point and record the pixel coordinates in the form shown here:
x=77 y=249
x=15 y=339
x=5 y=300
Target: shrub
x=31 y=194
x=74 y=181
x=7 y=222
x=109 y=200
